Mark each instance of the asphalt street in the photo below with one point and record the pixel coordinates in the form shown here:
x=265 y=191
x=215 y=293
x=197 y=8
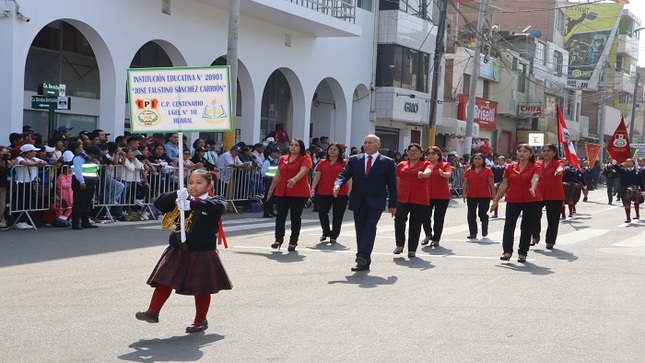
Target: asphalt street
x=71 y=296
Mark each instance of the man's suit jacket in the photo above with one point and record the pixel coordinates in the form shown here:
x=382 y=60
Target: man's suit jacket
x=374 y=187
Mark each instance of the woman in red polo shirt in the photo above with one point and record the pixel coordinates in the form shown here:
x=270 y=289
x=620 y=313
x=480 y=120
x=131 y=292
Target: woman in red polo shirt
x=478 y=191
x=550 y=186
x=291 y=187
x=520 y=184
x=412 y=198
x=323 y=186
x=439 y=195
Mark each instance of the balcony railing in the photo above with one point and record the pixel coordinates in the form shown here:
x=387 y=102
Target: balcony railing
x=339 y=9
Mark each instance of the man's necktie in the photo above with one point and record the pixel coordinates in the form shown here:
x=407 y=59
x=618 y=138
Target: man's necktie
x=369 y=165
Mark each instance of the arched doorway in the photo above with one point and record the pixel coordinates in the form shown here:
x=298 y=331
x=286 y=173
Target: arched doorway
x=329 y=111
x=61 y=54
x=276 y=103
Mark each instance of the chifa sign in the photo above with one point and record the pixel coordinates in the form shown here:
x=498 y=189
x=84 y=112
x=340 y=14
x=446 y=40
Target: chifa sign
x=529 y=111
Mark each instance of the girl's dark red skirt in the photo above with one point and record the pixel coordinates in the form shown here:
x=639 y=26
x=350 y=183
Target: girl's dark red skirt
x=190 y=272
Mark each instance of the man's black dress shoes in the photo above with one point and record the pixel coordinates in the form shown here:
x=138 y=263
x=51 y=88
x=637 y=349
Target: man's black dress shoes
x=361 y=264
x=361 y=268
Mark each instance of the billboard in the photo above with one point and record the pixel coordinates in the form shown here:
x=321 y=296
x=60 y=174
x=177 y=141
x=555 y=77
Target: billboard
x=180 y=99
x=485 y=112
x=589 y=34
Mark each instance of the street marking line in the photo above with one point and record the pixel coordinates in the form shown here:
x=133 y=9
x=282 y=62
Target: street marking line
x=579 y=236
x=637 y=241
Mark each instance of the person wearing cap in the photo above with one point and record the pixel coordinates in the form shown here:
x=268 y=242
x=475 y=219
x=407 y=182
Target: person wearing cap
x=269 y=168
x=25 y=176
x=64 y=131
x=84 y=184
x=228 y=161
x=199 y=157
x=258 y=152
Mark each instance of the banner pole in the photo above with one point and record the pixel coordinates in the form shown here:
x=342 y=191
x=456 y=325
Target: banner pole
x=182 y=216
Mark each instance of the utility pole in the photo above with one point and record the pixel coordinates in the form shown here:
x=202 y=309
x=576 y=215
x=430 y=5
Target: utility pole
x=633 y=119
x=231 y=60
x=470 y=112
x=602 y=108
x=442 y=5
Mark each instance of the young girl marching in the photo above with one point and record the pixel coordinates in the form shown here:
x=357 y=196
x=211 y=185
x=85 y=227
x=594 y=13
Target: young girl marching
x=193 y=267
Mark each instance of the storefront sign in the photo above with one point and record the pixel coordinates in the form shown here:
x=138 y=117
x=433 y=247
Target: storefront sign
x=529 y=111
x=411 y=107
x=485 y=111
x=536 y=139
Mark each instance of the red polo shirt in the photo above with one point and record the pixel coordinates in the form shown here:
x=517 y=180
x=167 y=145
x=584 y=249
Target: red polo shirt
x=519 y=183
x=287 y=171
x=328 y=173
x=478 y=183
x=411 y=189
x=550 y=185
x=438 y=186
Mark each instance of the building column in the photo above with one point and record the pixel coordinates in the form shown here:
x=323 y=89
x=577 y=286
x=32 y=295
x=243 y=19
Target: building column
x=12 y=78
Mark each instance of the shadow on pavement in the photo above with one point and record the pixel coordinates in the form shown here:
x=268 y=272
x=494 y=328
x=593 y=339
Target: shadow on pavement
x=48 y=244
x=439 y=250
x=185 y=348
x=559 y=254
x=483 y=241
x=363 y=279
x=329 y=247
x=277 y=256
x=414 y=262
x=527 y=267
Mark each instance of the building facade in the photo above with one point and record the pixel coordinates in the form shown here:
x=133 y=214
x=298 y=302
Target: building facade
x=310 y=67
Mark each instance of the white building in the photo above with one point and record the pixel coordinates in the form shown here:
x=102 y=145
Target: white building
x=305 y=65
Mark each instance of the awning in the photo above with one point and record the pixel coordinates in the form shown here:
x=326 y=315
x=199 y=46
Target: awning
x=453 y=127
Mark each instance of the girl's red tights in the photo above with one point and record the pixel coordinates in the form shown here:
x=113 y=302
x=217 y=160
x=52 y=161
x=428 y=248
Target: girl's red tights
x=162 y=293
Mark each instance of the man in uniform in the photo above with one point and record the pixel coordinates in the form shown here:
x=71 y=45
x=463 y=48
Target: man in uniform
x=84 y=184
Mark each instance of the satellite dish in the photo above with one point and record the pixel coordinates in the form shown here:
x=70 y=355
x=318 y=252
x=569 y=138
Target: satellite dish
x=535 y=33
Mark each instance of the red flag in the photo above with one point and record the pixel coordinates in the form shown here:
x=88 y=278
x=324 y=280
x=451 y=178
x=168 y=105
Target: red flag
x=565 y=139
x=618 y=147
x=593 y=150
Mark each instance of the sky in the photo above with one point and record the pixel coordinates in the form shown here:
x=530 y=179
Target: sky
x=638 y=8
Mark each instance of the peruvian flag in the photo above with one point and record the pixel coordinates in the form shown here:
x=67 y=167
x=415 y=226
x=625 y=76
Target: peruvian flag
x=565 y=139
x=618 y=147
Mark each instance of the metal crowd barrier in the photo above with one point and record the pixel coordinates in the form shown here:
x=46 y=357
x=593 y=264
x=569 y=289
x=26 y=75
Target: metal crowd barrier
x=40 y=189
x=457 y=182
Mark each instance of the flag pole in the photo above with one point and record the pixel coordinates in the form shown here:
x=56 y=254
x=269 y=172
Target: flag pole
x=557 y=105
x=182 y=216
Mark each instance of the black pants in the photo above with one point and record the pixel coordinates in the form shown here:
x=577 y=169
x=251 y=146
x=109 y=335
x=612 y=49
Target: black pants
x=440 y=207
x=553 y=209
x=417 y=212
x=365 y=220
x=267 y=204
x=529 y=218
x=477 y=207
x=613 y=185
x=325 y=204
x=286 y=204
x=82 y=202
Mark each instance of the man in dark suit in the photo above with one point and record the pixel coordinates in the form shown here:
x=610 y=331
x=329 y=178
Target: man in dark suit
x=373 y=178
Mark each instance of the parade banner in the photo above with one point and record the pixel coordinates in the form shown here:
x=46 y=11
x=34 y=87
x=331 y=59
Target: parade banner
x=618 y=147
x=565 y=139
x=180 y=99
x=589 y=34
x=593 y=150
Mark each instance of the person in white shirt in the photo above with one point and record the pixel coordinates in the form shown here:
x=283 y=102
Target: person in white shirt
x=258 y=152
x=228 y=161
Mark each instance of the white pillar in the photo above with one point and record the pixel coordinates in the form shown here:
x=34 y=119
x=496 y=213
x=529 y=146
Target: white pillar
x=12 y=77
